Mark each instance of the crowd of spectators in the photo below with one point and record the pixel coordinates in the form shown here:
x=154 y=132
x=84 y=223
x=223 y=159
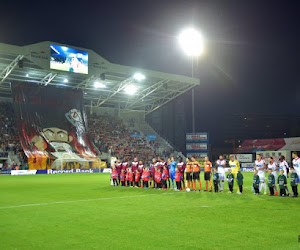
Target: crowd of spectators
x=111 y=136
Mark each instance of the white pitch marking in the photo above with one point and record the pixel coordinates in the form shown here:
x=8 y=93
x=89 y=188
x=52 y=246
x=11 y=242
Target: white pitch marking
x=66 y=202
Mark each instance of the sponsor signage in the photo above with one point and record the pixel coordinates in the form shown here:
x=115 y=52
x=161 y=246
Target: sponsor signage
x=247 y=169
x=23 y=172
x=68 y=171
x=244 y=157
x=151 y=137
x=197 y=155
x=201 y=136
x=196 y=147
x=6 y=171
x=247 y=165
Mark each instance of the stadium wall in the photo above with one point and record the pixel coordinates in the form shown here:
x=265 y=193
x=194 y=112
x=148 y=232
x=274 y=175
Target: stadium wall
x=169 y=121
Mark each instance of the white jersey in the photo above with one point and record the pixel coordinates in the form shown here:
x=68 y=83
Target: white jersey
x=259 y=165
x=283 y=165
x=296 y=165
x=221 y=164
x=273 y=167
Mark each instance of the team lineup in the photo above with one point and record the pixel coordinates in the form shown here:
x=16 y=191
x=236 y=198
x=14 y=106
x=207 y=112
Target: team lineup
x=179 y=175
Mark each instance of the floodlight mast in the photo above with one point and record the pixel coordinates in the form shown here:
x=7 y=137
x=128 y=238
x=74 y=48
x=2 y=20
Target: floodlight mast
x=191 y=42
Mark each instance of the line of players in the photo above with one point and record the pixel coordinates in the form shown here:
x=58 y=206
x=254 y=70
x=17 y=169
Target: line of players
x=162 y=174
x=261 y=167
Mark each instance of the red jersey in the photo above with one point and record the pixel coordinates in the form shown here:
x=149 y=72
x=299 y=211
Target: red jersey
x=178 y=176
x=141 y=168
x=114 y=174
x=181 y=167
x=146 y=176
x=122 y=176
x=134 y=166
x=165 y=174
x=131 y=176
x=125 y=166
x=127 y=176
x=158 y=176
x=119 y=167
x=159 y=166
x=137 y=176
x=152 y=169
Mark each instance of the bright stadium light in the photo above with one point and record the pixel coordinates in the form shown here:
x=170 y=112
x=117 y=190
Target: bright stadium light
x=27 y=75
x=130 y=89
x=139 y=76
x=191 y=41
x=99 y=85
x=64 y=48
x=66 y=80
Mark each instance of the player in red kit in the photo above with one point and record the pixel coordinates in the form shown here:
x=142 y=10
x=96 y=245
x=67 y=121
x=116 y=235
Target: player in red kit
x=141 y=169
x=127 y=178
x=181 y=168
x=146 y=177
x=152 y=172
x=178 y=179
x=125 y=166
x=131 y=177
x=114 y=176
x=165 y=177
x=134 y=165
x=122 y=178
x=158 y=178
x=119 y=168
x=137 y=178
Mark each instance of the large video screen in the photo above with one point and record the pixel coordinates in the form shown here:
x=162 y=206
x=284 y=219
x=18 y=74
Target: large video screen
x=68 y=59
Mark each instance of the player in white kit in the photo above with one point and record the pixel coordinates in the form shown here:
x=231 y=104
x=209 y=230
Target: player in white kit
x=221 y=164
x=274 y=167
x=283 y=165
x=260 y=166
x=296 y=163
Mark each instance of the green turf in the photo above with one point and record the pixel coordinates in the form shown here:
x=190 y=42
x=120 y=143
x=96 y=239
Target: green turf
x=98 y=216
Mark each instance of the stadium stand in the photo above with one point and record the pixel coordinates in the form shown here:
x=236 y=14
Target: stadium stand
x=111 y=135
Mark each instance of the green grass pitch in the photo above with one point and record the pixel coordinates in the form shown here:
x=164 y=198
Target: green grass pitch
x=82 y=211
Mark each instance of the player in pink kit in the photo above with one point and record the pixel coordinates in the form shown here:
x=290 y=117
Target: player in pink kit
x=125 y=165
x=141 y=169
x=152 y=172
x=181 y=168
x=134 y=165
x=118 y=166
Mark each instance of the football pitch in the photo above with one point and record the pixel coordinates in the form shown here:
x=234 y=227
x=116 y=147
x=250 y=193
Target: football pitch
x=82 y=211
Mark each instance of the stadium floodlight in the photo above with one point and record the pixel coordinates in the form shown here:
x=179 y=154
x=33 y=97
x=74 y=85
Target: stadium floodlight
x=191 y=42
x=130 y=89
x=64 y=48
x=66 y=80
x=27 y=75
x=98 y=85
x=139 y=76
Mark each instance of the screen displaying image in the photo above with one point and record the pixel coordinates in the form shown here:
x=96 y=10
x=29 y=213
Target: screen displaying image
x=68 y=59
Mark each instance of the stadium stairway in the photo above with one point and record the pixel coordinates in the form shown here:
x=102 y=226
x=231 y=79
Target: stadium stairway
x=145 y=129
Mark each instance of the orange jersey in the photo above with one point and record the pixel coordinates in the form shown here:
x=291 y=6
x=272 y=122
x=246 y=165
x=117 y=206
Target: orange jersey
x=207 y=166
x=188 y=167
x=196 y=166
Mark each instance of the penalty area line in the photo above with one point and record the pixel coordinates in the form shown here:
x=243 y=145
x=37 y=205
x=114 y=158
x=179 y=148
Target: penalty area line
x=86 y=200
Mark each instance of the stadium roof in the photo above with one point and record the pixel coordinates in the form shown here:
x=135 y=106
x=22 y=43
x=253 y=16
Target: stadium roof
x=31 y=64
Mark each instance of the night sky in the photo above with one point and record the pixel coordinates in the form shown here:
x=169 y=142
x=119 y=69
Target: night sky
x=251 y=61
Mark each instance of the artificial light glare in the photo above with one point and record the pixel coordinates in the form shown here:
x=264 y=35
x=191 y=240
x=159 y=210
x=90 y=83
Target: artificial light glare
x=27 y=75
x=130 y=89
x=99 y=85
x=66 y=80
x=191 y=42
x=139 y=76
